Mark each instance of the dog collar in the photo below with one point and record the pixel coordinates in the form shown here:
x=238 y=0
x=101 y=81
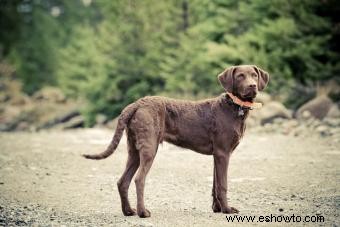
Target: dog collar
x=244 y=104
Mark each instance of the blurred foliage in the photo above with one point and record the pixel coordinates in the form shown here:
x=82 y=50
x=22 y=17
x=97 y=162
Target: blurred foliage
x=110 y=53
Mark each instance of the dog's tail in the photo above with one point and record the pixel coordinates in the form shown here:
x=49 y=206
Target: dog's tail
x=124 y=118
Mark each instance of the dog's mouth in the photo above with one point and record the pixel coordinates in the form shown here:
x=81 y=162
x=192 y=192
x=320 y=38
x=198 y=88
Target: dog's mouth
x=249 y=96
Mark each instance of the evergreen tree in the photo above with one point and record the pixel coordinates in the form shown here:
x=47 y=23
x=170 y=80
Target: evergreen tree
x=34 y=55
x=110 y=53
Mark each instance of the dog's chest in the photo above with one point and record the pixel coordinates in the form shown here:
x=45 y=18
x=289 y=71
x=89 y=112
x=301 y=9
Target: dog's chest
x=229 y=131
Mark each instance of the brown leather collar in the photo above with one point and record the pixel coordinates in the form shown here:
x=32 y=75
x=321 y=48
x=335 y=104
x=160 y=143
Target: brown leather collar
x=246 y=104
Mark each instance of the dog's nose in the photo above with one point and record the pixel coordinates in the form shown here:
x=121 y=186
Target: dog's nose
x=252 y=86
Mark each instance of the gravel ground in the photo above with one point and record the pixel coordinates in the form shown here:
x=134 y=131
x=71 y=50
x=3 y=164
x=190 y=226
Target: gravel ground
x=45 y=182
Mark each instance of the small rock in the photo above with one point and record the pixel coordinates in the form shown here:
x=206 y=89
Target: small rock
x=101 y=119
x=334 y=112
x=292 y=123
x=306 y=114
x=278 y=121
x=323 y=130
x=313 y=122
x=60 y=119
x=335 y=131
x=272 y=111
x=22 y=126
x=317 y=107
x=112 y=124
x=332 y=122
x=75 y=122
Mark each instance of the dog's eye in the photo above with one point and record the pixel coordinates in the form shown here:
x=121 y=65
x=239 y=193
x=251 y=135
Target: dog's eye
x=241 y=76
x=254 y=75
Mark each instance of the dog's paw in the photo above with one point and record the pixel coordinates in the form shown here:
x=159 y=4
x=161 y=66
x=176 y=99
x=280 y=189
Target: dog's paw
x=144 y=213
x=129 y=212
x=216 y=207
x=230 y=210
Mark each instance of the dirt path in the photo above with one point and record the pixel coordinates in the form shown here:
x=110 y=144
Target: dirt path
x=44 y=181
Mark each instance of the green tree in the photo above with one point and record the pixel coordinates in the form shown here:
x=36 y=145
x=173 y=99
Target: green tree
x=287 y=38
x=110 y=53
x=34 y=55
x=130 y=47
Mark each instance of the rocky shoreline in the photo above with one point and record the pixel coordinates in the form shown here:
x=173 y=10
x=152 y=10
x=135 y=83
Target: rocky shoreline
x=48 y=109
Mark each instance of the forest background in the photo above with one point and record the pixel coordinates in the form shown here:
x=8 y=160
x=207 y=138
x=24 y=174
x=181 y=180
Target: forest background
x=110 y=53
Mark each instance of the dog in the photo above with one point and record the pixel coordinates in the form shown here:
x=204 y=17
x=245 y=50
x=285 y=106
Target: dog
x=211 y=127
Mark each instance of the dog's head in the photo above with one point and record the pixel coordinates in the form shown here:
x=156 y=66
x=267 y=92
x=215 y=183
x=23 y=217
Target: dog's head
x=244 y=81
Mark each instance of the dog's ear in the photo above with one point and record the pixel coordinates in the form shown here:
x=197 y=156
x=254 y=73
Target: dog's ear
x=226 y=78
x=263 y=78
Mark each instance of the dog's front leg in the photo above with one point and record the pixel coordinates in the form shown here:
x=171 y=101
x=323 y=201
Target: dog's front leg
x=215 y=205
x=221 y=163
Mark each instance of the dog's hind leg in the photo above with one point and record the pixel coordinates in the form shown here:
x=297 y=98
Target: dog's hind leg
x=125 y=180
x=146 y=160
x=147 y=145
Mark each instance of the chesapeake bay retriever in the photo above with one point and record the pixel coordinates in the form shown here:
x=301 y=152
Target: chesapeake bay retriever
x=212 y=127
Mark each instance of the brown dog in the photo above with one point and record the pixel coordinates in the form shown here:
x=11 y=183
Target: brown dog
x=212 y=127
